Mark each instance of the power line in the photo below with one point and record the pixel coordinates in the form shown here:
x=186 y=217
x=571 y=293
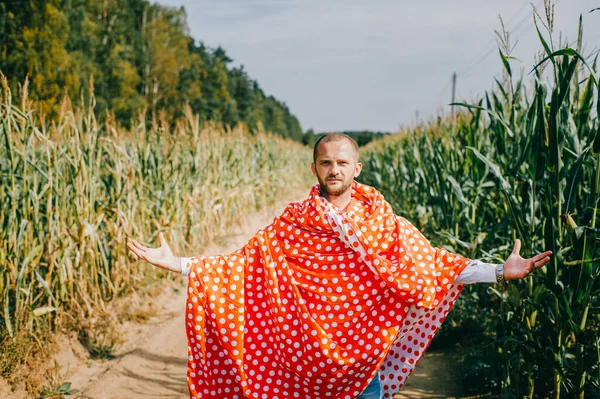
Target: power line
x=479 y=61
x=517 y=30
x=491 y=42
x=439 y=95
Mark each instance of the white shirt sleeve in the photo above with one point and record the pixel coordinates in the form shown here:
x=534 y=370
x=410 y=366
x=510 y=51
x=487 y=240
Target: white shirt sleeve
x=186 y=264
x=477 y=272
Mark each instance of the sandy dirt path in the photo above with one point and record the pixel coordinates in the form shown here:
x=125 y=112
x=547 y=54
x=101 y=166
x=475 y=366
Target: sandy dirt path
x=431 y=379
x=152 y=360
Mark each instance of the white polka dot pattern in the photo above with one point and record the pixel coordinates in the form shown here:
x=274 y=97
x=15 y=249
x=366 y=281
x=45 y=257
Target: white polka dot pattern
x=316 y=303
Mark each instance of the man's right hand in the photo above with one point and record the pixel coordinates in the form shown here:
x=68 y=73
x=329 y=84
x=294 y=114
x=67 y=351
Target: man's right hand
x=161 y=257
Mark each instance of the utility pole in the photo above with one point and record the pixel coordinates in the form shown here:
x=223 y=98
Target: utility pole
x=453 y=93
x=453 y=99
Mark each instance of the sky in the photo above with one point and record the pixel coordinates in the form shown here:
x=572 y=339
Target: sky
x=381 y=64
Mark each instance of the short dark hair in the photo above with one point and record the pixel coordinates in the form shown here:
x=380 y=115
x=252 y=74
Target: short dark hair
x=327 y=137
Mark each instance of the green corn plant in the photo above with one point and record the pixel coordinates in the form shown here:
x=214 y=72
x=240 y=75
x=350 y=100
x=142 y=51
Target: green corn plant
x=517 y=165
x=74 y=191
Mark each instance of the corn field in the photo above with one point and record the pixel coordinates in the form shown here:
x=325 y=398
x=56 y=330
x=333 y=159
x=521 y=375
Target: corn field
x=517 y=164
x=75 y=190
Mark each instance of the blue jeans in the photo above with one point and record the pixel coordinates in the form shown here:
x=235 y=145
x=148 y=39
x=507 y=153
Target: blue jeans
x=373 y=390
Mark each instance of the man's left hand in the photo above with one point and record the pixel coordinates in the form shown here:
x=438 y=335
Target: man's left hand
x=516 y=267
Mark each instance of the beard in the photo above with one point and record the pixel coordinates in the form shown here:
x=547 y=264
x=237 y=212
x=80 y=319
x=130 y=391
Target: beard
x=327 y=190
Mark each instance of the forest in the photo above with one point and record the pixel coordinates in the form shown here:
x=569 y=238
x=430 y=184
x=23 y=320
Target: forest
x=136 y=57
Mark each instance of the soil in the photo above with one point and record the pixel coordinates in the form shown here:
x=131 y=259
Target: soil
x=431 y=379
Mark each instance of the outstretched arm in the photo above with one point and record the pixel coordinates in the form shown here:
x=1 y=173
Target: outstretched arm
x=160 y=257
x=516 y=267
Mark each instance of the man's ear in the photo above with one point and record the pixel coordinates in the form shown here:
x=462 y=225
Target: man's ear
x=358 y=169
x=313 y=168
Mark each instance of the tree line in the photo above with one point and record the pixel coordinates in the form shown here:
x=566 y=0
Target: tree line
x=134 y=57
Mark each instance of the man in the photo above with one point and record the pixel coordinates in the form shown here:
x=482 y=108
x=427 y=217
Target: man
x=337 y=298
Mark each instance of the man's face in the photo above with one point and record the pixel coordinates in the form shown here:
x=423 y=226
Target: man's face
x=335 y=167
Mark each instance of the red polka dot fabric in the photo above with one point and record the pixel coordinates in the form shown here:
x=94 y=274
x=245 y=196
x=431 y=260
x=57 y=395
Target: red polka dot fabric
x=314 y=304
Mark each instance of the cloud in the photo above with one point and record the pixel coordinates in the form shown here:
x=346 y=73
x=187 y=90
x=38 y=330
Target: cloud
x=350 y=64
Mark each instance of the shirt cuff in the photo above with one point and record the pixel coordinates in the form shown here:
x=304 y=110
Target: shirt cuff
x=477 y=272
x=186 y=264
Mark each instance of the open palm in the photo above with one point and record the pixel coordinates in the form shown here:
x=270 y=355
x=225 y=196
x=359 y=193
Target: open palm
x=161 y=257
x=517 y=267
